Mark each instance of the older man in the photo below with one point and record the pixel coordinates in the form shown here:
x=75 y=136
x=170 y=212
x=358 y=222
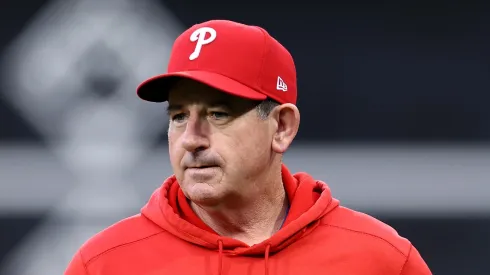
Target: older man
x=232 y=206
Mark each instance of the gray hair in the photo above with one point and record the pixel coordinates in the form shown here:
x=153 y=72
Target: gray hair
x=265 y=107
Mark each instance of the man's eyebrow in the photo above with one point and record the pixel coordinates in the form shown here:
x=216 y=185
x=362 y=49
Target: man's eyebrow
x=173 y=108
x=219 y=104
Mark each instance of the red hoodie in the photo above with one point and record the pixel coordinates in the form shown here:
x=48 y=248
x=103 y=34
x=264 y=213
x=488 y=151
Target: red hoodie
x=318 y=237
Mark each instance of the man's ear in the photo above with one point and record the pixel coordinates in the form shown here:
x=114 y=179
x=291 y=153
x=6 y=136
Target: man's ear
x=287 y=119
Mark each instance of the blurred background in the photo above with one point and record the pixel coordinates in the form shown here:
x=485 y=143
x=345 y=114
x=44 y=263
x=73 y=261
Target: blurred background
x=394 y=101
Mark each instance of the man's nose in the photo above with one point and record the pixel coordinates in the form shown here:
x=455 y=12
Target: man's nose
x=195 y=137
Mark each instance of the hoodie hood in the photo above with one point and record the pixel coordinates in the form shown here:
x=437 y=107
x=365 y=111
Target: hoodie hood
x=309 y=200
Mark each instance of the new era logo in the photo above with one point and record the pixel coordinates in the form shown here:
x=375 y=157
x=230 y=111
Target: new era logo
x=281 y=85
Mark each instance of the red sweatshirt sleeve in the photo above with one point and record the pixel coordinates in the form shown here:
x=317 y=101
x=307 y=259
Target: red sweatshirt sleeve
x=76 y=266
x=415 y=265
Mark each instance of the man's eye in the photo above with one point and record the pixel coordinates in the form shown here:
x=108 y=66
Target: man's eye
x=178 y=117
x=219 y=115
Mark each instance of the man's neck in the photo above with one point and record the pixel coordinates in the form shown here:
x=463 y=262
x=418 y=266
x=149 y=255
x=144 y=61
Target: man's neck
x=256 y=222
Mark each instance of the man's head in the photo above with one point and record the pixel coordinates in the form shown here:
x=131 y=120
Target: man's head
x=221 y=145
x=231 y=90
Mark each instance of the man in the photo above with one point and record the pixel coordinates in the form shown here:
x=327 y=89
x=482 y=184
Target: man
x=232 y=206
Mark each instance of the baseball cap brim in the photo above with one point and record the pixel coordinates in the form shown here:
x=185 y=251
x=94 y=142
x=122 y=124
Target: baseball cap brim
x=157 y=88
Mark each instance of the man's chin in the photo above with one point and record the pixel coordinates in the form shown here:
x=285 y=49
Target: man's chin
x=205 y=195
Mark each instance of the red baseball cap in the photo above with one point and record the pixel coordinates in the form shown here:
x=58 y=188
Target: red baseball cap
x=238 y=59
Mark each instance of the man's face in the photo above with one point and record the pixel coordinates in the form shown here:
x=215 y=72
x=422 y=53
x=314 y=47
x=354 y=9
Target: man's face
x=218 y=145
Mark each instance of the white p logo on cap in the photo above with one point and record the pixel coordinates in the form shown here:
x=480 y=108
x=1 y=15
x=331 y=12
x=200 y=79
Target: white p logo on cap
x=199 y=35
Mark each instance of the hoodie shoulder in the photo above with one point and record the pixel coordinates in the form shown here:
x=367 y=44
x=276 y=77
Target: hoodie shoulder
x=363 y=226
x=124 y=232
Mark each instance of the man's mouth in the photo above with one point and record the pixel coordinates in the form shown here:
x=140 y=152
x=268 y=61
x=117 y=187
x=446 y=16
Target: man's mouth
x=203 y=166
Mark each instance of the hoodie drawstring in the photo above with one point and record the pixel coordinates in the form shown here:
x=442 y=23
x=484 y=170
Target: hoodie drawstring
x=266 y=258
x=220 y=257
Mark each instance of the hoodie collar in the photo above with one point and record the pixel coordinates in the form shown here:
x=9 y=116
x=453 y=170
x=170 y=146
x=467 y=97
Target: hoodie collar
x=309 y=200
